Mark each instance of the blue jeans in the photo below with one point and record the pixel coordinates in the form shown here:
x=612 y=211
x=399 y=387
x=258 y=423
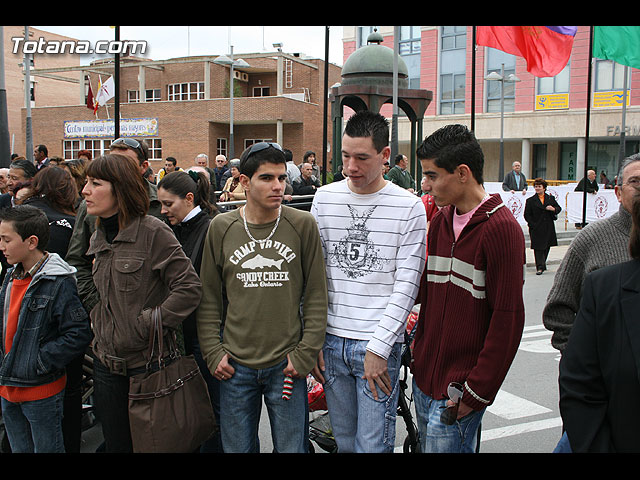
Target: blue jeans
x=436 y=437
x=241 y=404
x=35 y=426
x=360 y=423
x=563 y=445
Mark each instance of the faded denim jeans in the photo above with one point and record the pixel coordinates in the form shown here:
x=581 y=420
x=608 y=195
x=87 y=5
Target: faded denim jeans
x=360 y=423
x=436 y=437
x=241 y=404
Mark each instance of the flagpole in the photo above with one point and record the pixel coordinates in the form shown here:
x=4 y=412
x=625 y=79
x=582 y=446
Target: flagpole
x=116 y=115
x=473 y=78
x=621 y=153
x=586 y=145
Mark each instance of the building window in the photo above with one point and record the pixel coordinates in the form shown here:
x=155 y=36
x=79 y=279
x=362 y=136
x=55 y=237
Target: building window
x=495 y=60
x=132 y=96
x=155 y=148
x=70 y=149
x=261 y=91
x=152 y=95
x=250 y=141
x=409 y=41
x=186 y=91
x=97 y=147
x=610 y=76
x=221 y=147
x=453 y=62
x=557 y=84
x=409 y=47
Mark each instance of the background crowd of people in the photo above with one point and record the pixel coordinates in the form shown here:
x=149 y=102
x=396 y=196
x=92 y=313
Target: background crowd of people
x=135 y=241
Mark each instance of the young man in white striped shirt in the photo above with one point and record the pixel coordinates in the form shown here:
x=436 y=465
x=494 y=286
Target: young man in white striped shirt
x=374 y=240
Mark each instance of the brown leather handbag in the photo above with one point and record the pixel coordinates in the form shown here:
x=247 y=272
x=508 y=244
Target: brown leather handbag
x=169 y=407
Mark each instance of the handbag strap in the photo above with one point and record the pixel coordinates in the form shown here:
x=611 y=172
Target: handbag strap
x=156 y=336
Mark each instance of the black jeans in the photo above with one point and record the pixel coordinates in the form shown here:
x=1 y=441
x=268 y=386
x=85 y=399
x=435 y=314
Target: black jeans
x=111 y=397
x=72 y=420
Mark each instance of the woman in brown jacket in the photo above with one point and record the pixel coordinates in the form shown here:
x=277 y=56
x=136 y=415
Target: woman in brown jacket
x=139 y=264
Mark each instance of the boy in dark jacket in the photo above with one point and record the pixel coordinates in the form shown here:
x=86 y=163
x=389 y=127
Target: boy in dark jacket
x=44 y=328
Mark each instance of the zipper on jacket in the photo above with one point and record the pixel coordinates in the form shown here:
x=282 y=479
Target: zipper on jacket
x=435 y=363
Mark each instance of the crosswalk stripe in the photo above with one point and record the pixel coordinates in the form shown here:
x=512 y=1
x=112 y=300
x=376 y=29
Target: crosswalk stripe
x=502 y=432
x=510 y=407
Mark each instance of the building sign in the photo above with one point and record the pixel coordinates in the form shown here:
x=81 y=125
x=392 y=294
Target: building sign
x=609 y=99
x=129 y=127
x=553 y=101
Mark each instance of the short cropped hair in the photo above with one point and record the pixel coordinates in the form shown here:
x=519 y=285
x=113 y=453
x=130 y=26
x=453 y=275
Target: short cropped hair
x=26 y=166
x=28 y=221
x=451 y=146
x=259 y=153
x=625 y=163
x=365 y=124
x=138 y=146
x=540 y=181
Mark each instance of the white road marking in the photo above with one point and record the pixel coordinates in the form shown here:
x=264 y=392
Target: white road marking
x=510 y=407
x=520 y=428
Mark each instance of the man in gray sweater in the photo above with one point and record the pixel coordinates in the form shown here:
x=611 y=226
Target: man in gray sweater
x=599 y=244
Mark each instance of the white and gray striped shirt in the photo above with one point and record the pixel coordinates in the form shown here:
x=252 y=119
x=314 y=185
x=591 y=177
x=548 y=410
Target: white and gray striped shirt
x=374 y=247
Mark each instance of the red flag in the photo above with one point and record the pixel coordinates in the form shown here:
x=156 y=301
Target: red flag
x=546 y=49
x=90 y=100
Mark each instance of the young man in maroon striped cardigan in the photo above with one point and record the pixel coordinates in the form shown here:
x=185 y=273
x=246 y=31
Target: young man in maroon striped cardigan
x=472 y=311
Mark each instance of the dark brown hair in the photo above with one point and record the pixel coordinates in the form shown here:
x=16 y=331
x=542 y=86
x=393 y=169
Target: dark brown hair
x=127 y=185
x=57 y=187
x=196 y=183
x=540 y=181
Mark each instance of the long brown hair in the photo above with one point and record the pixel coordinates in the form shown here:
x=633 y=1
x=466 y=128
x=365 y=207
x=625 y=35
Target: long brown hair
x=127 y=185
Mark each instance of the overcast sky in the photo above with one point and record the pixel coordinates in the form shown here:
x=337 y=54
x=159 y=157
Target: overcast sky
x=165 y=42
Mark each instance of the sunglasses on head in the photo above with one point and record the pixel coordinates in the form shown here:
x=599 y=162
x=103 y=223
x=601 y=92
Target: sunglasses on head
x=129 y=142
x=257 y=147
x=450 y=413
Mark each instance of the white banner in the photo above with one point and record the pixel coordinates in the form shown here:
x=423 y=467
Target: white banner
x=599 y=206
x=129 y=127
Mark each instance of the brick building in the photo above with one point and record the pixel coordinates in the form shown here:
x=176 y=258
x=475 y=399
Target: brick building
x=181 y=106
x=544 y=118
x=49 y=89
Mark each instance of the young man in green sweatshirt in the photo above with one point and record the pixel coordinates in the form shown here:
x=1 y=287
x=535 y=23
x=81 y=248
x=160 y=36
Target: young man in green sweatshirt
x=262 y=319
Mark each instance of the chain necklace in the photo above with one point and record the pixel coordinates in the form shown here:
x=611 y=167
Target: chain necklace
x=246 y=227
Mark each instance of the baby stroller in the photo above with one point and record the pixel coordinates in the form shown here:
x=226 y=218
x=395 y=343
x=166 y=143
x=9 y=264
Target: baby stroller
x=320 y=431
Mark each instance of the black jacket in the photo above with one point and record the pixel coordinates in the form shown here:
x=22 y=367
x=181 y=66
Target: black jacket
x=509 y=182
x=60 y=226
x=191 y=236
x=542 y=230
x=600 y=367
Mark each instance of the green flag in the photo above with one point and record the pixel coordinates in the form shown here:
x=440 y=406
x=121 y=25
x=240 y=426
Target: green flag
x=620 y=44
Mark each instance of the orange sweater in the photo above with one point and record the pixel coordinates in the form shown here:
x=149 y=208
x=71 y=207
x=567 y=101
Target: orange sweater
x=24 y=394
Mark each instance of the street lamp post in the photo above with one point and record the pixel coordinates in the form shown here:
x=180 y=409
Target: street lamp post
x=224 y=60
x=499 y=77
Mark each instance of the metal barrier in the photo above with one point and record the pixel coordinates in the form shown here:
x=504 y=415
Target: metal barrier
x=302 y=202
